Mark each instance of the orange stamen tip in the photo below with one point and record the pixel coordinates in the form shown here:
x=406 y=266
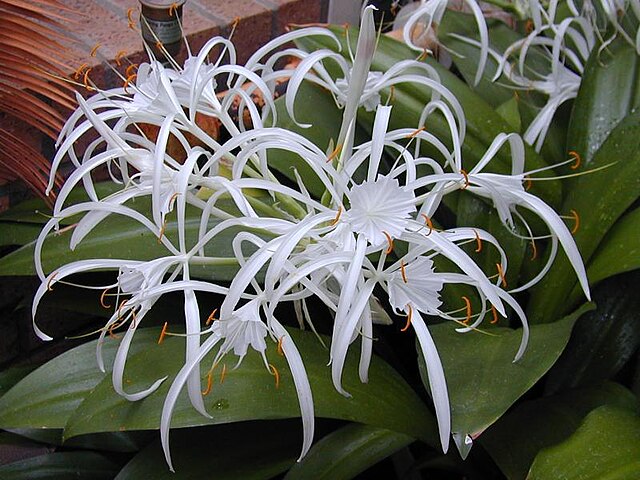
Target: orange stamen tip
x=409 y=317
x=211 y=317
x=223 y=374
x=334 y=154
x=528 y=183
x=49 y=287
x=495 y=315
x=164 y=227
x=467 y=307
x=338 y=215
x=79 y=71
x=429 y=223
x=576 y=220
x=159 y=45
x=415 y=133
x=130 y=69
x=128 y=81
x=389 y=241
x=85 y=80
x=130 y=14
x=403 y=271
x=577 y=160
x=501 y=274
x=207 y=390
x=466 y=178
x=534 y=250
x=118 y=57
x=478 y=242
x=94 y=50
x=275 y=373
x=163 y=332
x=173 y=9
x=280 y=351
x=102 y=301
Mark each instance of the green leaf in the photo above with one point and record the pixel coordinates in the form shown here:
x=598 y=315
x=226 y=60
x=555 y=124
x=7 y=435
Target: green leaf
x=16 y=233
x=56 y=466
x=619 y=251
x=604 y=339
x=121 y=237
x=47 y=397
x=375 y=403
x=316 y=106
x=608 y=93
x=615 y=188
x=69 y=392
x=348 y=452
x=516 y=438
x=482 y=378
x=510 y=112
x=606 y=446
x=249 y=451
x=12 y=375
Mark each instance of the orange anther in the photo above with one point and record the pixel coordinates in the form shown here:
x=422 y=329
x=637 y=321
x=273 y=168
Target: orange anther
x=390 y=242
x=576 y=160
x=467 y=304
x=128 y=81
x=338 y=215
x=415 y=133
x=392 y=94
x=211 y=317
x=527 y=183
x=130 y=69
x=164 y=227
x=79 y=71
x=102 y=302
x=275 y=373
x=159 y=45
x=173 y=9
x=113 y=326
x=576 y=219
x=118 y=57
x=466 y=178
x=130 y=14
x=534 y=250
x=495 y=315
x=86 y=79
x=501 y=275
x=163 y=332
x=334 y=154
x=429 y=223
x=49 y=287
x=280 y=351
x=223 y=374
x=529 y=26
x=403 y=271
x=478 y=242
x=207 y=390
x=409 y=317
x=94 y=50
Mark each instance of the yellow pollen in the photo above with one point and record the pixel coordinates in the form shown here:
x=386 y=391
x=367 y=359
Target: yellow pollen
x=94 y=50
x=576 y=158
x=415 y=133
x=223 y=374
x=576 y=219
x=280 y=351
x=211 y=317
x=390 y=242
x=478 y=242
x=102 y=301
x=275 y=373
x=501 y=274
x=338 y=215
x=466 y=178
x=495 y=315
x=467 y=307
x=409 y=317
x=334 y=154
x=49 y=287
x=207 y=390
x=163 y=332
x=403 y=271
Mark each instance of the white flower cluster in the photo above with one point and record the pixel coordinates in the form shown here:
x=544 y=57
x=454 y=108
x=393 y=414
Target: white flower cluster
x=372 y=229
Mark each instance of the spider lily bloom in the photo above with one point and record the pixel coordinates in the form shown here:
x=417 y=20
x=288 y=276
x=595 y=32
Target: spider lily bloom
x=427 y=14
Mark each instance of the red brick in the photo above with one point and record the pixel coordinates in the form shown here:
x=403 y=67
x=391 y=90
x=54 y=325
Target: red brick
x=298 y=12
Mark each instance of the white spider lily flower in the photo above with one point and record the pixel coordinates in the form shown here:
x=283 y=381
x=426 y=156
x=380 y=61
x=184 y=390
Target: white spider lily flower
x=427 y=14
